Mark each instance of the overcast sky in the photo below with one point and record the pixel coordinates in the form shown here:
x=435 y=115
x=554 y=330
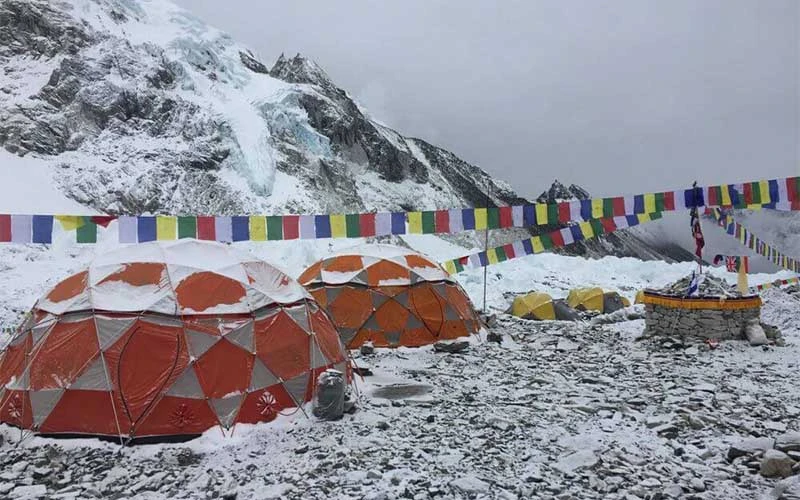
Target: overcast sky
x=620 y=96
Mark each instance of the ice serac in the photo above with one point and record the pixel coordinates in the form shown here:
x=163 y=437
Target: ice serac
x=138 y=107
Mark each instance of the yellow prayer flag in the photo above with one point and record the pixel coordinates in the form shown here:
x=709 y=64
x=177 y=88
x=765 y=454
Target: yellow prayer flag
x=586 y=229
x=763 y=186
x=491 y=255
x=649 y=203
x=166 y=227
x=597 y=208
x=338 y=226
x=541 y=214
x=70 y=222
x=726 y=196
x=644 y=217
x=536 y=243
x=481 y=218
x=415 y=222
x=258 y=228
x=450 y=267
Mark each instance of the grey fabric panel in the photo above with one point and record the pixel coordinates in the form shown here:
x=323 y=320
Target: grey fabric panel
x=360 y=278
x=199 y=342
x=347 y=334
x=300 y=316
x=187 y=385
x=402 y=298
x=378 y=299
x=93 y=377
x=243 y=337
x=332 y=293
x=227 y=409
x=372 y=323
x=261 y=376
x=109 y=330
x=42 y=403
x=318 y=360
x=564 y=312
x=296 y=388
x=163 y=320
x=23 y=383
x=392 y=337
x=414 y=322
x=450 y=314
x=40 y=330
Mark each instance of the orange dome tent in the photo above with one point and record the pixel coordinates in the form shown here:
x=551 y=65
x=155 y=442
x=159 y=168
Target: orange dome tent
x=166 y=339
x=390 y=296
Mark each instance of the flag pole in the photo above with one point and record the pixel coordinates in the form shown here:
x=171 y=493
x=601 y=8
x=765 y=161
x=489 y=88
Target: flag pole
x=486 y=245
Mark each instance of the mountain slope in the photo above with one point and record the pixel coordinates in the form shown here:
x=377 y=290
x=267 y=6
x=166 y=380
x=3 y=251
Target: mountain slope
x=135 y=106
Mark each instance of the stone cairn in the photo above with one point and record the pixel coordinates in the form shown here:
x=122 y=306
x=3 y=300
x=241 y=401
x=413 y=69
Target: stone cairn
x=717 y=312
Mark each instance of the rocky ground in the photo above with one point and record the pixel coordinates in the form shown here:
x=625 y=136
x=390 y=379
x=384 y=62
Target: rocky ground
x=557 y=410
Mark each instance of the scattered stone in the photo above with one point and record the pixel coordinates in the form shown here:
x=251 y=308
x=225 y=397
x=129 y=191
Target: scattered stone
x=576 y=461
x=31 y=491
x=776 y=464
x=451 y=346
x=754 y=333
x=301 y=449
x=367 y=348
x=697 y=484
x=470 y=485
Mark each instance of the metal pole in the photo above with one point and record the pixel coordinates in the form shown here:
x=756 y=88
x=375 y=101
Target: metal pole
x=486 y=245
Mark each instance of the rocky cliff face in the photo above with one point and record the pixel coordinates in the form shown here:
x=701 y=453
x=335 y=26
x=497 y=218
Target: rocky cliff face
x=138 y=107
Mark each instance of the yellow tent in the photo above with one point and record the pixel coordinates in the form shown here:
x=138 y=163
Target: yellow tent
x=595 y=299
x=639 y=297
x=534 y=305
x=586 y=299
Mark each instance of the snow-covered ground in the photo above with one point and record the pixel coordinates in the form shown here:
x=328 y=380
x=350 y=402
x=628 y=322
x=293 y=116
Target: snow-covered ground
x=557 y=410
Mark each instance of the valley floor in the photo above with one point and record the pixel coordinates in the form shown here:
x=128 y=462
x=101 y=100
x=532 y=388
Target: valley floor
x=557 y=410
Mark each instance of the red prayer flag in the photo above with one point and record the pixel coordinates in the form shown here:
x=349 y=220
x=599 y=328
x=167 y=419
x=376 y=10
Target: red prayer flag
x=619 y=206
x=509 y=249
x=442 y=218
x=103 y=220
x=506 y=219
x=5 y=228
x=558 y=239
x=609 y=225
x=564 y=212
x=206 y=229
x=291 y=227
x=748 y=193
x=669 y=200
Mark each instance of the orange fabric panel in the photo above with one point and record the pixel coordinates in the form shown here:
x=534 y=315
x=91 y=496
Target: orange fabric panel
x=343 y=264
x=173 y=416
x=390 y=291
x=152 y=356
x=138 y=274
x=364 y=336
x=83 y=412
x=210 y=326
x=14 y=360
x=264 y=405
x=311 y=274
x=224 y=369
x=416 y=337
x=64 y=354
x=15 y=409
x=459 y=300
x=386 y=270
x=392 y=316
x=327 y=337
x=284 y=347
x=419 y=261
x=320 y=296
x=352 y=307
x=206 y=289
x=427 y=306
x=454 y=329
x=69 y=288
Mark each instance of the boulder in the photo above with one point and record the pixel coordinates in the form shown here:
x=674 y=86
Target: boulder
x=451 y=347
x=749 y=446
x=754 y=333
x=788 y=442
x=776 y=464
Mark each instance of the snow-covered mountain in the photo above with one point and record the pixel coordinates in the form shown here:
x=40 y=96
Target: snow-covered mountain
x=135 y=106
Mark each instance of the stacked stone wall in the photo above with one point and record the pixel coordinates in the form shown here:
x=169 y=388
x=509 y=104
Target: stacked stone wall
x=702 y=323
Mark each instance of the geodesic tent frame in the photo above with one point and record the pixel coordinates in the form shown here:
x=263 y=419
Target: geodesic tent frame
x=391 y=297
x=242 y=343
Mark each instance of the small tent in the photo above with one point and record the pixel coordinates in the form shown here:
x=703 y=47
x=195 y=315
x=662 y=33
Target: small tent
x=390 y=296
x=166 y=340
x=639 y=297
x=595 y=299
x=541 y=306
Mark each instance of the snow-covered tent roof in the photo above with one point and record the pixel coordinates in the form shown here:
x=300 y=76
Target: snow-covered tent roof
x=183 y=277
